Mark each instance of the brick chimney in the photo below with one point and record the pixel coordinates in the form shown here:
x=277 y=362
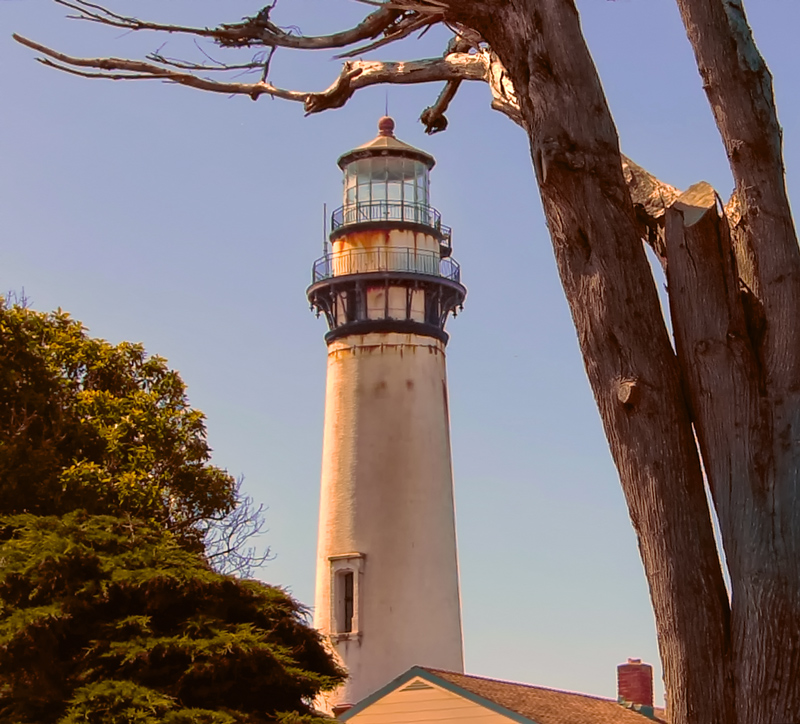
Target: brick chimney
x=635 y=682
x=339 y=709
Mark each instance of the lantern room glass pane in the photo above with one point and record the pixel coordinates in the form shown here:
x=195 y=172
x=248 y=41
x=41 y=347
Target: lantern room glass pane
x=378 y=170
x=361 y=211
x=378 y=190
x=364 y=170
x=409 y=197
x=394 y=178
x=350 y=181
x=421 y=176
x=395 y=168
x=378 y=179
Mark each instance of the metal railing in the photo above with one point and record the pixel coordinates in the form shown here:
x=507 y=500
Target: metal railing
x=385 y=260
x=390 y=211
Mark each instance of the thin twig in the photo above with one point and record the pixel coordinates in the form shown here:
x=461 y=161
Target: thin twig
x=397 y=32
x=183 y=65
x=272 y=50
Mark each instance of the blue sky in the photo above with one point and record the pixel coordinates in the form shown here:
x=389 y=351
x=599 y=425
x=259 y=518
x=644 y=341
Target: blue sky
x=189 y=221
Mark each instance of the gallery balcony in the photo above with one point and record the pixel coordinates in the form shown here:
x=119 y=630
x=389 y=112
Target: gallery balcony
x=386 y=260
x=401 y=213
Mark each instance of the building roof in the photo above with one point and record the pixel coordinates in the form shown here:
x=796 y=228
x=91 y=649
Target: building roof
x=521 y=703
x=385 y=144
x=545 y=706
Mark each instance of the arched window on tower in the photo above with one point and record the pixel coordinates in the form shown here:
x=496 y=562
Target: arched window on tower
x=347 y=573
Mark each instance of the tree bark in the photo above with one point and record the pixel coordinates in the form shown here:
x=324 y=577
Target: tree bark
x=750 y=445
x=630 y=363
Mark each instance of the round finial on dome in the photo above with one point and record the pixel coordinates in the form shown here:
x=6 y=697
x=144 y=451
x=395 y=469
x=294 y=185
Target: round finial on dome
x=386 y=126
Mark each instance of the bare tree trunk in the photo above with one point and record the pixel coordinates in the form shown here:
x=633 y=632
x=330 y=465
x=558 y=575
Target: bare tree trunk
x=630 y=363
x=732 y=419
x=751 y=392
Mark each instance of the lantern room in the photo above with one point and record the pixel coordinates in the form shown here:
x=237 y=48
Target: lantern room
x=389 y=266
x=386 y=170
x=388 y=180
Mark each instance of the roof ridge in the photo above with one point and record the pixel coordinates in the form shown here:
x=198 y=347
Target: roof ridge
x=519 y=683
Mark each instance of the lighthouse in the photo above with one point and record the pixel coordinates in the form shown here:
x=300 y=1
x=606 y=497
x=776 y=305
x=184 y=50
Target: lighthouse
x=387 y=589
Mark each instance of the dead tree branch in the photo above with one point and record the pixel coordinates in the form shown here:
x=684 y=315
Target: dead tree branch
x=256 y=30
x=354 y=75
x=401 y=29
x=467 y=57
x=433 y=117
x=140 y=70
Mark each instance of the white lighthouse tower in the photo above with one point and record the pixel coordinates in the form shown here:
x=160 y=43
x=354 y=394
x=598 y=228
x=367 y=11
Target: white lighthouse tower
x=387 y=593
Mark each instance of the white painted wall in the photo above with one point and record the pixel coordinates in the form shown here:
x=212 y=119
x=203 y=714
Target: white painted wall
x=387 y=494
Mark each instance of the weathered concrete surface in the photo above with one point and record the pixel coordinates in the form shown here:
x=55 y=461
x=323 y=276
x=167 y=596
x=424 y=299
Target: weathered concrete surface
x=387 y=510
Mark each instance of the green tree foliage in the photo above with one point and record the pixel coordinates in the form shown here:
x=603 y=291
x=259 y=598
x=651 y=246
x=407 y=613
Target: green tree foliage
x=101 y=427
x=105 y=621
x=110 y=611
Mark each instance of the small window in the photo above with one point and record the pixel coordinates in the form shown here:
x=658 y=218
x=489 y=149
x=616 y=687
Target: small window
x=348 y=601
x=347 y=570
x=345 y=598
